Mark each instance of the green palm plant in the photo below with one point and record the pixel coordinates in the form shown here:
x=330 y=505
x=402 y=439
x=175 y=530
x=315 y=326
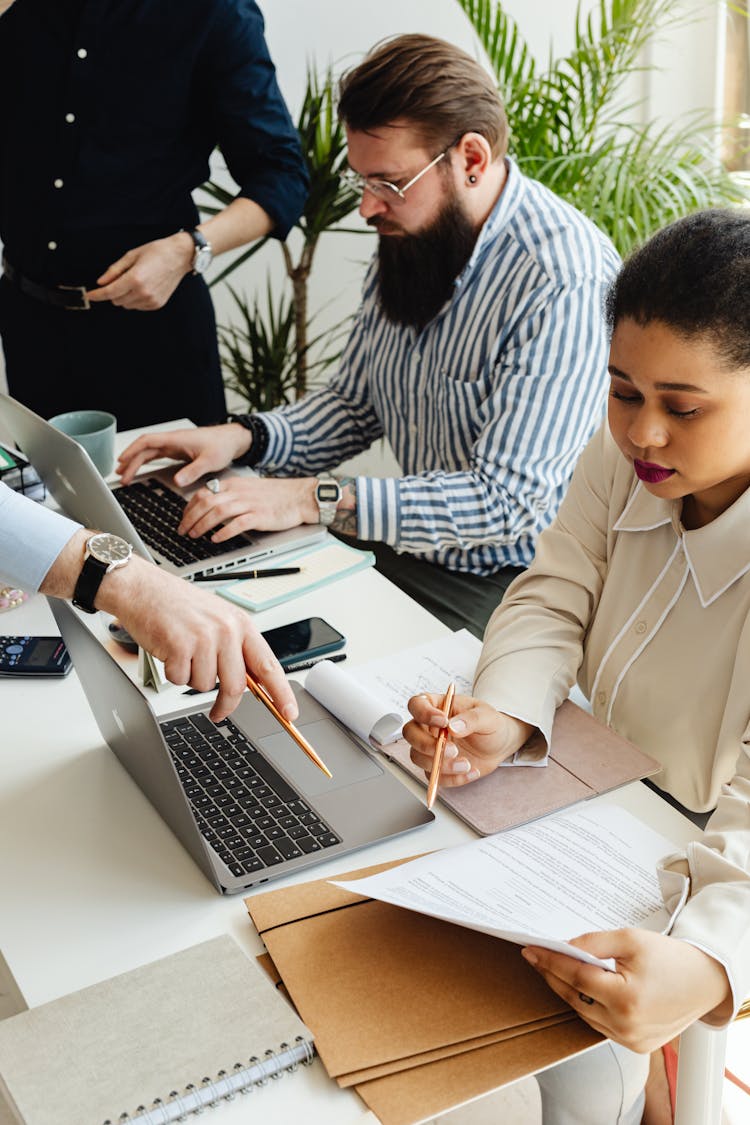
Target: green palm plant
x=329 y=201
x=569 y=128
x=259 y=352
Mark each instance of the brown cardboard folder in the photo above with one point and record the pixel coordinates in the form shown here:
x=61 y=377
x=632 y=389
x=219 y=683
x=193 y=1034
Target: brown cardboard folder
x=586 y=758
x=416 y=1013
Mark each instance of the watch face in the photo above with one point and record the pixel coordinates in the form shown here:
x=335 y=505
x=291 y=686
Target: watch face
x=202 y=260
x=109 y=548
x=328 y=493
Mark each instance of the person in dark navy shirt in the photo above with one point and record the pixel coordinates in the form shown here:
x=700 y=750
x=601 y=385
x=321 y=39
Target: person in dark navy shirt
x=111 y=109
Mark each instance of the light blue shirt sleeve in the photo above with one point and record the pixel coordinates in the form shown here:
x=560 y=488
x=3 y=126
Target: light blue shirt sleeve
x=31 y=538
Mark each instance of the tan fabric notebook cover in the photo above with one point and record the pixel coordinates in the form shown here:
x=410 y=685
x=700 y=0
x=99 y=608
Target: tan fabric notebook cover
x=586 y=758
x=111 y=1048
x=394 y=997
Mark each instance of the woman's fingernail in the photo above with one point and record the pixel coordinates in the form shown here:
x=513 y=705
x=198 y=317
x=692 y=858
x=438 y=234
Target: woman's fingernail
x=530 y=957
x=451 y=750
x=473 y=776
x=458 y=726
x=461 y=766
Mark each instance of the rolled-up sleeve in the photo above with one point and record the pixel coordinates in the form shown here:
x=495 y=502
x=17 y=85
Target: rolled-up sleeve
x=255 y=132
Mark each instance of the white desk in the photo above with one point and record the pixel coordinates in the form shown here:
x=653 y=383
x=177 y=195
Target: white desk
x=92 y=882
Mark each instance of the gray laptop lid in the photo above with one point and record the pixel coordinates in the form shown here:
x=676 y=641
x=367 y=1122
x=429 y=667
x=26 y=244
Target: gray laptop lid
x=81 y=492
x=363 y=803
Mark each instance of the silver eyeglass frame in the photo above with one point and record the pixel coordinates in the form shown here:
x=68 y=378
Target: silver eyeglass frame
x=384 y=189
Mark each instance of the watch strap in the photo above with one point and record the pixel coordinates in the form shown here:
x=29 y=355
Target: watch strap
x=89 y=581
x=198 y=237
x=260 y=435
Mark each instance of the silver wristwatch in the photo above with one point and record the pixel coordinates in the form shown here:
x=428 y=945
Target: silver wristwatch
x=104 y=552
x=203 y=254
x=328 y=492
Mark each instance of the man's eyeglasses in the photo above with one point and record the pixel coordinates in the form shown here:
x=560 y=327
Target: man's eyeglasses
x=384 y=189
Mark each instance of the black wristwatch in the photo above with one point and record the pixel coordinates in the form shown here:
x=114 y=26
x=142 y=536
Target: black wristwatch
x=260 y=437
x=203 y=254
x=104 y=552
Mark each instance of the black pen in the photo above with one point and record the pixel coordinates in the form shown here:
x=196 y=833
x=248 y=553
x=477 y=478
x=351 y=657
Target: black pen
x=231 y=575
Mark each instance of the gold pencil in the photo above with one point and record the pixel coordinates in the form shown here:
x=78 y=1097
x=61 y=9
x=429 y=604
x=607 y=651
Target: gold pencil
x=437 y=762
x=262 y=695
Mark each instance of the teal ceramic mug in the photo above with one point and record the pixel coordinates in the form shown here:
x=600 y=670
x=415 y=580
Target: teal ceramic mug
x=95 y=431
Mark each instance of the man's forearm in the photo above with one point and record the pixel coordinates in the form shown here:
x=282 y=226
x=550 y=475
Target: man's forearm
x=345 y=520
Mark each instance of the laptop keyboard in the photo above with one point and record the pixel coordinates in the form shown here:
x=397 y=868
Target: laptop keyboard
x=248 y=813
x=156 y=511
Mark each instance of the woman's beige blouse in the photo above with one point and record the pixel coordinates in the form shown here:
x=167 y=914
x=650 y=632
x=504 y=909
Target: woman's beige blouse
x=654 y=622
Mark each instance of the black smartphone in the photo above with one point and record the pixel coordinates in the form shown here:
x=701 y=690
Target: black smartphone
x=34 y=656
x=303 y=641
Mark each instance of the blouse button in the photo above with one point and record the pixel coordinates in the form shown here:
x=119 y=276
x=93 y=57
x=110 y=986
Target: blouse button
x=641 y=627
x=82 y=52
x=70 y=118
x=601 y=698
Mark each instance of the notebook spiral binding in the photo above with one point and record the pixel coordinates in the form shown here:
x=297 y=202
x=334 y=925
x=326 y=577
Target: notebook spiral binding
x=242 y=1079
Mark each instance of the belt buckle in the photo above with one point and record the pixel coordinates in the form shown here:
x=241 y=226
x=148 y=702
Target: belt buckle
x=81 y=290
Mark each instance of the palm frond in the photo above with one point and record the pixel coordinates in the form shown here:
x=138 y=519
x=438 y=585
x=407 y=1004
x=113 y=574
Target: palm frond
x=567 y=127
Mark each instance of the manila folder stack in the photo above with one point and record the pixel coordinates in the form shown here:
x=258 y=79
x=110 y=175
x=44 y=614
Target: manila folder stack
x=415 y=1013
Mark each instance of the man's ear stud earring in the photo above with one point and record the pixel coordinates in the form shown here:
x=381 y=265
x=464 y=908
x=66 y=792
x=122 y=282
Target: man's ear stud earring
x=472 y=179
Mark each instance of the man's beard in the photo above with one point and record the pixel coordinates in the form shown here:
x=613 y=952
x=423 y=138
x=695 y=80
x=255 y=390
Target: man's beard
x=416 y=272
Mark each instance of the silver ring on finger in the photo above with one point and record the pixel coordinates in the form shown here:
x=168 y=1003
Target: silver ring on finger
x=213 y=485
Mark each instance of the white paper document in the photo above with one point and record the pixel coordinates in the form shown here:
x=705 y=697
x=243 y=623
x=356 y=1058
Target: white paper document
x=366 y=713
x=428 y=667
x=542 y=883
x=372 y=700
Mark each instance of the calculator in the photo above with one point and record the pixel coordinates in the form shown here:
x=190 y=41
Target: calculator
x=34 y=656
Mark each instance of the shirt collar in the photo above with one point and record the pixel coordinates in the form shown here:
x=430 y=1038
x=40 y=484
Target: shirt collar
x=717 y=554
x=507 y=203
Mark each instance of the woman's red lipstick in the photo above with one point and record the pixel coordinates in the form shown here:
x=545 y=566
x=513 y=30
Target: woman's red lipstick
x=652 y=474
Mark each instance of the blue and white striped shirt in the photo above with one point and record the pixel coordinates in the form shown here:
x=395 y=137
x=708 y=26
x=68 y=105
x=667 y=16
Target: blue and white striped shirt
x=487 y=408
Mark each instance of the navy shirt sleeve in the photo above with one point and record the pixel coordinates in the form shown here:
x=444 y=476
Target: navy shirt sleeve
x=253 y=128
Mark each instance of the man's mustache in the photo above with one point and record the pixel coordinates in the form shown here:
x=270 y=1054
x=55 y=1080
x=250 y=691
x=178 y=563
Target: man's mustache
x=381 y=225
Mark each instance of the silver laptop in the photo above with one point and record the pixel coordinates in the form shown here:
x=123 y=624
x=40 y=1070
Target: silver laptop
x=146 y=512
x=240 y=795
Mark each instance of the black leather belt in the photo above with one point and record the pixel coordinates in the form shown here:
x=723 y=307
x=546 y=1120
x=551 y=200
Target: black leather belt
x=71 y=297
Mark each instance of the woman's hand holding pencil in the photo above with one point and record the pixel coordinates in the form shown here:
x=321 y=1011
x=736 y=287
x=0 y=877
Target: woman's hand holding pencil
x=460 y=739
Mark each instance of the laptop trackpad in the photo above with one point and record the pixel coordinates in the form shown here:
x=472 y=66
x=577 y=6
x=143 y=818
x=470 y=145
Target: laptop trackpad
x=346 y=762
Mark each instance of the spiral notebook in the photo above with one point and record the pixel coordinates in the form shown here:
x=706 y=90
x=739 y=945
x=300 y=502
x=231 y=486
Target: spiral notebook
x=157 y=1032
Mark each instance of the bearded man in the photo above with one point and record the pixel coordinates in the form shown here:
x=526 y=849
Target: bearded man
x=479 y=351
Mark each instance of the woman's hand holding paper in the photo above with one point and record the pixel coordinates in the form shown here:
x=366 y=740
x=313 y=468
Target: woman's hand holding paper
x=479 y=737
x=646 y=1001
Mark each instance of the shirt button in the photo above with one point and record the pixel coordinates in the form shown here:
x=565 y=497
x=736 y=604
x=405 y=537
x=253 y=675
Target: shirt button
x=417 y=357
x=52 y=246
x=601 y=698
x=70 y=118
x=82 y=52
x=58 y=183
x=641 y=627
